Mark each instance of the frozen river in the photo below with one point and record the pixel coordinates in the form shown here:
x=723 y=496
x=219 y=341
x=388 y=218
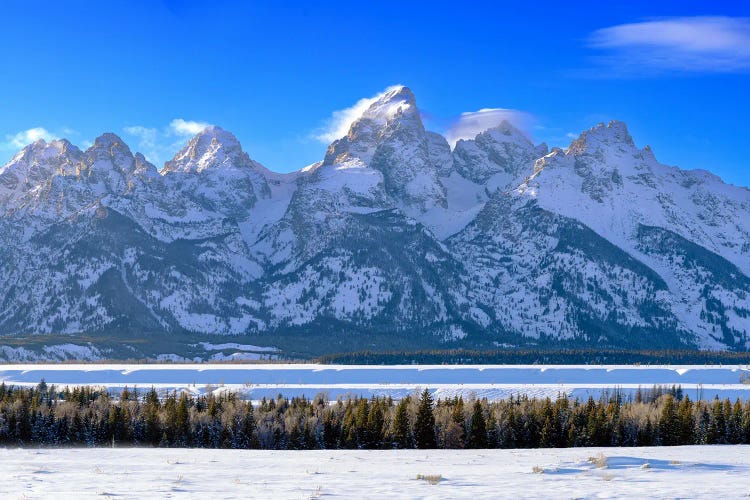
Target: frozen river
x=256 y=381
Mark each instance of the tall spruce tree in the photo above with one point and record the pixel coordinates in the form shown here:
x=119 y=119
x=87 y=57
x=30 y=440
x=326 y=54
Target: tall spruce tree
x=456 y=432
x=477 y=428
x=402 y=437
x=424 y=426
x=375 y=422
x=687 y=421
x=669 y=423
x=331 y=430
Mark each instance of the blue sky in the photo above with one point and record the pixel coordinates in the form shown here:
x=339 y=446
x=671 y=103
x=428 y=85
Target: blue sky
x=274 y=72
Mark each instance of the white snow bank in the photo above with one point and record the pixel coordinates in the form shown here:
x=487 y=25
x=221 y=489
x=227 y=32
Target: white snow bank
x=675 y=472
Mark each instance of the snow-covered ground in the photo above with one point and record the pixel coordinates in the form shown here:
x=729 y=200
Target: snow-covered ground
x=676 y=472
x=255 y=381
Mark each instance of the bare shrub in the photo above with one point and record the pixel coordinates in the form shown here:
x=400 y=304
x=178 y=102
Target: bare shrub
x=430 y=478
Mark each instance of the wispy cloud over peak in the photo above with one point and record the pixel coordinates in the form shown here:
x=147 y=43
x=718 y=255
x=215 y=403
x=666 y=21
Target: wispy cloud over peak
x=680 y=44
x=187 y=127
x=158 y=143
x=26 y=137
x=337 y=126
x=472 y=123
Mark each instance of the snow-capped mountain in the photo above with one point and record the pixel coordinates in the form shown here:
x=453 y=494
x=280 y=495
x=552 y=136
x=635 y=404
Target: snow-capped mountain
x=393 y=239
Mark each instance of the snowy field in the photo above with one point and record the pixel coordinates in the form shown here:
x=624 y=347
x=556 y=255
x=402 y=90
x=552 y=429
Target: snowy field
x=255 y=381
x=677 y=472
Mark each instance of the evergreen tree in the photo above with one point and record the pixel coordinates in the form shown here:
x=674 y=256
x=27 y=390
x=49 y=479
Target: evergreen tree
x=402 y=437
x=331 y=431
x=509 y=439
x=745 y=433
x=717 y=429
x=456 y=433
x=115 y=424
x=458 y=423
x=477 y=428
x=363 y=410
x=646 y=434
x=687 y=421
x=92 y=417
x=734 y=425
x=295 y=441
x=181 y=421
x=248 y=436
x=669 y=423
x=424 y=426
x=375 y=422
x=703 y=433
x=152 y=426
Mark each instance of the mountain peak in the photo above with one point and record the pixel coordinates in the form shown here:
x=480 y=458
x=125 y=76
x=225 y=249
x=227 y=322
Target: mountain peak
x=394 y=109
x=502 y=149
x=108 y=140
x=63 y=145
x=395 y=101
x=506 y=128
x=218 y=134
x=35 y=164
x=211 y=147
x=42 y=150
x=505 y=132
x=602 y=136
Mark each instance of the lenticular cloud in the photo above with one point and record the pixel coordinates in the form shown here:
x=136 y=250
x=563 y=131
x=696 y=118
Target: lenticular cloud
x=686 y=44
x=472 y=123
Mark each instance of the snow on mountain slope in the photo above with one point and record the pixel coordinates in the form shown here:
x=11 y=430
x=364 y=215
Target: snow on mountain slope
x=406 y=167
x=56 y=180
x=32 y=167
x=605 y=244
x=497 y=156
x=496 y=241
x=689 y=227
x=597 y=179
x=349 y=249
x=495 y=160
x=542 y=276
x=135 y=250
x=215 y=172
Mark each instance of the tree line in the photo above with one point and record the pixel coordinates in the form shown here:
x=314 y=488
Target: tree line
x=87 y=416
x=539 y=356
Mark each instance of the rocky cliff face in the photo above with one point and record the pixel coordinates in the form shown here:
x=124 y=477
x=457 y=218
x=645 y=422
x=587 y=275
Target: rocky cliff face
x=498 y=241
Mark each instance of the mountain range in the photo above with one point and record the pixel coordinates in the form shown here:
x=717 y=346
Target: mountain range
x=394 y=239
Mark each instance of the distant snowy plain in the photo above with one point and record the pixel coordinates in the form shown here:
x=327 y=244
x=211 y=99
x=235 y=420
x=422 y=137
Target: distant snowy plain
x=255 y=381
x=674 y=472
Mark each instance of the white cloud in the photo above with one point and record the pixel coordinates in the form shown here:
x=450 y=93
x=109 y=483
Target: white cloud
x=147 y=136
x=26 y=137
x=680 y=44
x=158 y=144
x=472 y=123
x=337 y=126
x=187 y=128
